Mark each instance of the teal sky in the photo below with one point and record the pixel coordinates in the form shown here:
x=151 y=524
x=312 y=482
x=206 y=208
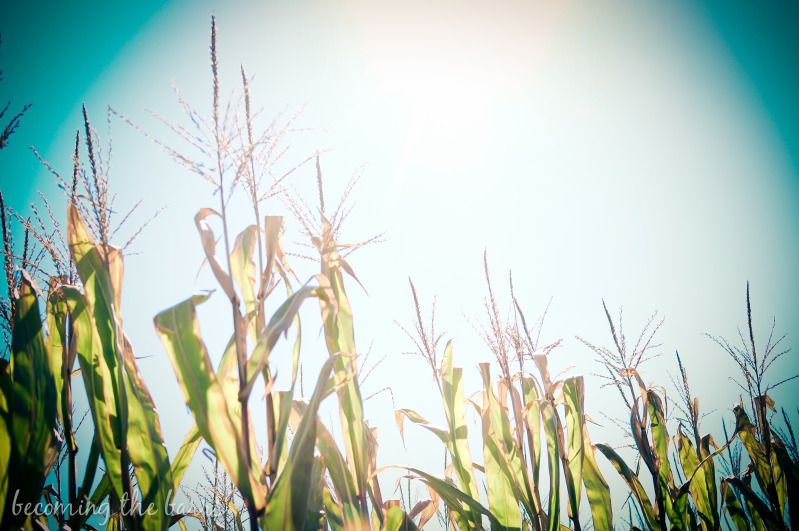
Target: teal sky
x=636 y=151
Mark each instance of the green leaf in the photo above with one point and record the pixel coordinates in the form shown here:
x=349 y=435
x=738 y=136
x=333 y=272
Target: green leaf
x=336 y=465
x=660 y=436
x=243 y=274
x=530 y=497
x=397 y=520
x=102 y=490
x=135 y=426
x=86 y=497
x=279 y=324
x=574 y=398
x=455 y=411
x=6 y=385
x=287 y=504
x=710 y=475
x=184 y=456
x=504 y=493
x=655 y=454
x=596 y=488
x=790 y=469
x=179 y=332
x=533 y=421
x=757 y=507
x=334 y=515
x=148 y=454
x=633 y=483
x=416 y=418
x=99 y=381
x=733 y=507
x=699 y=485
x=549 y=417
x=340 y=339
x=468 y=508
x=757 y=453
x=242 y=268
x=316 y=515
x=95 y=334
x=57 y=310
x=30 y=400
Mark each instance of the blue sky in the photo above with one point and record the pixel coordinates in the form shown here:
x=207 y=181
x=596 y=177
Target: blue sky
x=644 y=153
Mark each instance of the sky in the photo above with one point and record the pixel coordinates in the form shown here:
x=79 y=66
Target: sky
x=643 y=153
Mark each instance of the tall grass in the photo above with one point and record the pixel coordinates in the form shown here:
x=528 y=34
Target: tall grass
x=537 y=466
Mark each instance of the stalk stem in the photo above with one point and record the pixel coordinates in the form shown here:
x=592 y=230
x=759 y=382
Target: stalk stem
x=234 y=302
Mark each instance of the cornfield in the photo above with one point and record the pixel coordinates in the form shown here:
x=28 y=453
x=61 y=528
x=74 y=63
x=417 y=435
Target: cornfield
x=537 y=467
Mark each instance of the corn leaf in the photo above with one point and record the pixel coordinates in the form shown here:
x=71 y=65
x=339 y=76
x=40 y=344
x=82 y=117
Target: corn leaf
x=315 y=512
x=137 y=429
x=397 y=520
x=469 y=509
x=548 y=415
x=733 y=507
x=699 y=485
x=596 y=488
x=504 y=493
x=340 y=339
x=287 y=504
x=791 y=472
x=532 y=502
x=758 y=509
x=242 y=269
x=96 y=339
x=148 y=454
x=574 y=398
x=455 y=412
x=30 y=408
x=533 y=422
x=184 y=456
x=279 y=324
x=710 y=476
x=6 y=385
x=85 y=494
x=57 y=310
x=660 y=436
x=336 y=465
x=417 y=419
x=209 y=247
x=633 y=483
x=179 y=332
x=757 y=453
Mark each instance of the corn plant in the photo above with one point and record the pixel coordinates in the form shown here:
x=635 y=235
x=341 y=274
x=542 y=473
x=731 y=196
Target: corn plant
x=353 y=485
x=80 y=321
x=28 y=417
x=287 y=487
x=36 y=378
x=772 y=502
x=696 y=453
x=685 y=496
x=219 y=397
x=39 y=370
x=126 y=425
x=520 y=419
x=297 y=496
x=127 y=428
x=690 y=504
x=80 y=499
